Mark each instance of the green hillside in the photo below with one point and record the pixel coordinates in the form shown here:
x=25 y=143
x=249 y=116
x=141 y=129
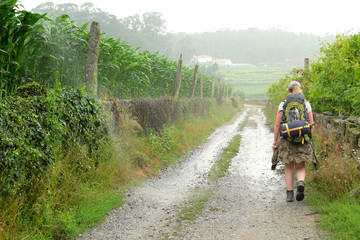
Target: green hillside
x=251 y=80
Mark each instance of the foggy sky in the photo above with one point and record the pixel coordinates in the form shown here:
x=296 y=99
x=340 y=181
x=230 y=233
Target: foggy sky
x=306 y=16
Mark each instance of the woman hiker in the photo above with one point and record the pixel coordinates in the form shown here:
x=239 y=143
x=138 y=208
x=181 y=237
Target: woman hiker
x=294 y=155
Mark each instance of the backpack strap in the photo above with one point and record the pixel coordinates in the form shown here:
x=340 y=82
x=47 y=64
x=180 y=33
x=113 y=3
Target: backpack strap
x=283 y=116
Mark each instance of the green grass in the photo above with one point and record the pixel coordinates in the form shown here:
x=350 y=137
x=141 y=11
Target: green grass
x=339 y=217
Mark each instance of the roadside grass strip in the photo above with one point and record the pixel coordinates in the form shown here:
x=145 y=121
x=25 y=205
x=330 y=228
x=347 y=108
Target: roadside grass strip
x=195 y=205
x=221 y=166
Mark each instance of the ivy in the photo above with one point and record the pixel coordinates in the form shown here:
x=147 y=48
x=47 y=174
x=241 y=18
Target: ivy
x=34 y=122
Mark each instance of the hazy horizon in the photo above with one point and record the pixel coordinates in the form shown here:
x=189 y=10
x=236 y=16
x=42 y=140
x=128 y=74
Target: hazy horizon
x=314 y=17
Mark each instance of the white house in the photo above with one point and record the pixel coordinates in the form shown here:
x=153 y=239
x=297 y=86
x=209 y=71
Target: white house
x=203 y=59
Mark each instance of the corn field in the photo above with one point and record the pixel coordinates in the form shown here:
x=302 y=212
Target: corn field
x=34 y=48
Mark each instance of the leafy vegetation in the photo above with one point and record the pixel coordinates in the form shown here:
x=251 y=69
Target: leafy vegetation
x=335 y=77
x=16 y=28
x=33 y=125
x=331 y=83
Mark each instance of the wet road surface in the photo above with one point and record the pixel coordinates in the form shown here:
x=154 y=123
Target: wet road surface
x=249 y=200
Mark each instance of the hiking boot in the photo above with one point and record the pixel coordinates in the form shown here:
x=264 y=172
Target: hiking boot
x=300 y=191
x=290 y=195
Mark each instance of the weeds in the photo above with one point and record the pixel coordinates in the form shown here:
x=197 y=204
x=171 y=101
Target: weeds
x=336 y=174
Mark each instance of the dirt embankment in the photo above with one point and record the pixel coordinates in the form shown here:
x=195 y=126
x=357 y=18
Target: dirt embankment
x=248 y=203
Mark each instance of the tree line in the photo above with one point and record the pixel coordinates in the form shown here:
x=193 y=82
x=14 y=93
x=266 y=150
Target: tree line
x=148 y=32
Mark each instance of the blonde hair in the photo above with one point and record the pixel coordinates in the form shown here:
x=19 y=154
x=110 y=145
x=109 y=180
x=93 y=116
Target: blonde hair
x=295 y=89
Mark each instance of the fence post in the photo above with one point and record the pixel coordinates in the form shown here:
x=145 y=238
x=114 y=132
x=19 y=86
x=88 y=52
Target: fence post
x=178 y=78
x=306 y=64
x=201 y=86
x=213 y=87
x=194 y=81
x=92 y=58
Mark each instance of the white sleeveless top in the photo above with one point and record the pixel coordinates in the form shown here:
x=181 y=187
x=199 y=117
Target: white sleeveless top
x=307 y=105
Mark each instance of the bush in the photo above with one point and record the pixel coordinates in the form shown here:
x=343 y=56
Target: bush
x=335 y=77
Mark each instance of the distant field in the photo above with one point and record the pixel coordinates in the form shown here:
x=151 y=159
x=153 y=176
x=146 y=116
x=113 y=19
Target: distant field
x=253 y=81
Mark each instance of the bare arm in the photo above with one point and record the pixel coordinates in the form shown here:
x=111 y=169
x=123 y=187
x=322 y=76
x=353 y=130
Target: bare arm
x=277 y=127
x=311 y=121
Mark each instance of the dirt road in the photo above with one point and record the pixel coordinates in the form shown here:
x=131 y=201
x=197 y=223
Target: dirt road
x=248 y=203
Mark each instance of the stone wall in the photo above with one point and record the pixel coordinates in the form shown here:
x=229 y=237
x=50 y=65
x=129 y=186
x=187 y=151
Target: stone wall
x=345 y=129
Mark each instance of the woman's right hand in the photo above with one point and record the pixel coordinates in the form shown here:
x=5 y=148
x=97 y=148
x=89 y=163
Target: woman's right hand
x=274 y=145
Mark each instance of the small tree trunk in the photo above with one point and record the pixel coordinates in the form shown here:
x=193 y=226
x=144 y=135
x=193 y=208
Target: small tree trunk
x=178 y=78
x=194 y=81
x=92 y=58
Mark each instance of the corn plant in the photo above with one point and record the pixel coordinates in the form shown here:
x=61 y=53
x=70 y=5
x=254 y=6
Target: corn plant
x=54 y=51
x=15 y=33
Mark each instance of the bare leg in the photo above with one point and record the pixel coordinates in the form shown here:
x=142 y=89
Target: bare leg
x=289 y=172
x=300 y=171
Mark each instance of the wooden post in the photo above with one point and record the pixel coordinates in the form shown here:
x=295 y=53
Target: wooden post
x=201 y=86
x=92 y=58
x=194 y=81
x=178 y=78
x=227 y=90
x=223 y=91
x=213 y=87
x=218 y=88
x=306 y=64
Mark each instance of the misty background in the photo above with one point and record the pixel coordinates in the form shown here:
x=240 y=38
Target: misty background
x=148 y=32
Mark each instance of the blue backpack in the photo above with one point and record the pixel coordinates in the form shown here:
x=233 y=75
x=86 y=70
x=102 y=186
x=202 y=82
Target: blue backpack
x=295 y=125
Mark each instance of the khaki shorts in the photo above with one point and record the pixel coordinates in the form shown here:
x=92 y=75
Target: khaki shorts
x=288 y=152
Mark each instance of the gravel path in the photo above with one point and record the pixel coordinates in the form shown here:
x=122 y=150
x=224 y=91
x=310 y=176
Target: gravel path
x=248 y=203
